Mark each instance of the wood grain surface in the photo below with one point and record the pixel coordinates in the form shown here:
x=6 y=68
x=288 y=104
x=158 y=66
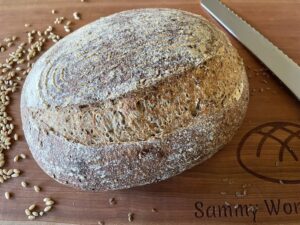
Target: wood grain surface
x=208 y=187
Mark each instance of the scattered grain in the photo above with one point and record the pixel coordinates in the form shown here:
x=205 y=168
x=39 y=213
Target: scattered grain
x=112 y=201
x=16 y=171
x=67 y=29
x=281 y=182
x=36 y=188
x=35 y=213
x=7 y=195
x=46 y=199
x=31 y=207
x=59 y=20
x=50 y=202
x=2 y=162
x=31 y=217
x=76 y=16
x=27 y=212
x=9 y=172
x=130 y=217
x=101 y=223
x=24 y=184
x=68 y=23
x=13 y=69
x=16 y=158
x=16 y=137
x=7 y=40
x=236 y=206
x=154 y=210
x=47 y=208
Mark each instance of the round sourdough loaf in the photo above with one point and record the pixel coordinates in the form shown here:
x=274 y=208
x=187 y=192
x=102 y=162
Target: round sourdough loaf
x=133 y=98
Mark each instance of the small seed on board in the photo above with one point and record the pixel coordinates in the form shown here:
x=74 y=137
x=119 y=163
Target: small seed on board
x=31 y=207
x=27 y=212
x=101 y=223
x=23 y=156
x=112 y=201
x=46 y=199
x=9 y=172
x=50 y=202
x=31 y=217
x=67 y=29
x=227 y=203
x=15 y=175
x=23 y=184
x=16 y=158
x=16 y=171
x=36 y=188
x=35 y=213
x=68 y=23
x=6 y=39
x=16 y=137
x=2 y=162
x=53 y=11
x=130 y=217
x=41 y=213
x=154 y=210
x=47 y=208
x=7 y=195
x=76 y=16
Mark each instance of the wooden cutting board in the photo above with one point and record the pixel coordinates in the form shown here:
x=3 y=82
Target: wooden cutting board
x=255 y=178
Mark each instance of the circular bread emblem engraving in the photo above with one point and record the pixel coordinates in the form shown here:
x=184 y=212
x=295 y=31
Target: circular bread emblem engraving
x=270 y=152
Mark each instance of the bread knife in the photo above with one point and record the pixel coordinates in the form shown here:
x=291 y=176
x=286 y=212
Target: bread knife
x=278 y=62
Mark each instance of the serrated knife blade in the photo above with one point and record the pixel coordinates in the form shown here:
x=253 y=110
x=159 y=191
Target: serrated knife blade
x=278 y=62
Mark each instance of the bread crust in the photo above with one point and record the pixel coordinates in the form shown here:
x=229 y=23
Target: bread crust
x=132 y=99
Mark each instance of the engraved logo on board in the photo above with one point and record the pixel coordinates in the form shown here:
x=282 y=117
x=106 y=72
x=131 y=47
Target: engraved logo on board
x=271 y=152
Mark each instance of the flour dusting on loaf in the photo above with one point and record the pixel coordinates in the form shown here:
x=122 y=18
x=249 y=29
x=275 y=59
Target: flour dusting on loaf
x=133 y=98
